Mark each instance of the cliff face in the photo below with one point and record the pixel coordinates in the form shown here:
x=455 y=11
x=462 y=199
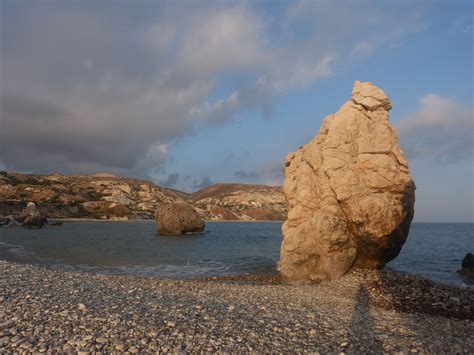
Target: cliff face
x=105 y=196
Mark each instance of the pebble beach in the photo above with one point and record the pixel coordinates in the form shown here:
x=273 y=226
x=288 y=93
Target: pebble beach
x=44 y=310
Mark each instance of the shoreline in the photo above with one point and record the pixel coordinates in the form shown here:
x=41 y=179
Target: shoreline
x=149 y=220
x=207 y=221
x=365 y=311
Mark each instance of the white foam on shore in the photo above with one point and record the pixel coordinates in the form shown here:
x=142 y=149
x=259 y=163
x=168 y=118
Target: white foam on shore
x=17 y=250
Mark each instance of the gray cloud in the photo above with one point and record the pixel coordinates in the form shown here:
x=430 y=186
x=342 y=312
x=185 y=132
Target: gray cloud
x=205 y=182
x=170 y=181
x=269 y=173
x=91 y=86
x=441 y=129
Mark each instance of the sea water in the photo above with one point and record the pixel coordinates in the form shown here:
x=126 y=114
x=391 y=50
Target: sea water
x=433 y=250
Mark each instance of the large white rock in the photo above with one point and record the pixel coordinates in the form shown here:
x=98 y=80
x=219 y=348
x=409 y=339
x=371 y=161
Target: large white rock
x=349 y=191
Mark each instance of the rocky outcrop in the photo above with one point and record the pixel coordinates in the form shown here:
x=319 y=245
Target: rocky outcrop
x=104 y=196
x=349 y=191
x=101 y=196
x=178 y=218
x=31 y=217
x=467 y=266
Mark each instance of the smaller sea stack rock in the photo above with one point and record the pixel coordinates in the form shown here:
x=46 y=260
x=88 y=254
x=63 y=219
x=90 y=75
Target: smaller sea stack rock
x=467 y=265
x=31 y=217
x=178 y=218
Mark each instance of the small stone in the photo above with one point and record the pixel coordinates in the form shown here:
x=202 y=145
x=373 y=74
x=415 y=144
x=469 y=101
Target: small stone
x=101 y=340
x=26 y=345
x=231 y=308
x=119 y=345
x=171 y=324
x=82 y=306
x=82 y=342
x=133 y=349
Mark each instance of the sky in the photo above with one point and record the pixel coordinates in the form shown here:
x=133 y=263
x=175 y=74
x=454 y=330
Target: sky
x=190 y=93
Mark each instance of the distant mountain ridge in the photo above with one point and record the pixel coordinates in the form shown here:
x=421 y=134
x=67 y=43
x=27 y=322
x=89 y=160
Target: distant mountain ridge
x=104 y=196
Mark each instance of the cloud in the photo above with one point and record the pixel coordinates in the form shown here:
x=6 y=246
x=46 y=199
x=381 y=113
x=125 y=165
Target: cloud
x=463 y=24
x=243 y=174
x=441 y=129
x=87 y=86
x=205 y=182
x=170 y=181
x=270 y=173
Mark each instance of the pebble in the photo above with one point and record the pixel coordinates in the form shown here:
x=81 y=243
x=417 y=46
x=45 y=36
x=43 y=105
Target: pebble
x=119 y=345
x=364 y=312
x=26 y=345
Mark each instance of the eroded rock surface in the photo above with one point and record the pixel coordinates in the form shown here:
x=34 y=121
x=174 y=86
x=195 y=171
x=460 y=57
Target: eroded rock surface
x=31 y=217
x=179 y=218
x=349 y=191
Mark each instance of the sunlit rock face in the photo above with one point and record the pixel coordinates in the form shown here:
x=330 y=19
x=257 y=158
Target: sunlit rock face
x=349 y=191
x=178 y=218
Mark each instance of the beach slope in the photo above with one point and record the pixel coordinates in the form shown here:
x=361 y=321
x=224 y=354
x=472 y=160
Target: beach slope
x=371 y=311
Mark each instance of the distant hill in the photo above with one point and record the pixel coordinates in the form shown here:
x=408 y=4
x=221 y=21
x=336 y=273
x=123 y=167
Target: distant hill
x=241 y=202
x=104 y=196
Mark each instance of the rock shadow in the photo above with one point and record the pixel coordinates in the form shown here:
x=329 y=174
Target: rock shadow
x=361 y=335
x=409 y=294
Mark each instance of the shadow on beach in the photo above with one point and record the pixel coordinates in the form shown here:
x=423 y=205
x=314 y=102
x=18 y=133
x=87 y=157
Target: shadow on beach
x=409 y=294
x=362 y=327
x=406 y=295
